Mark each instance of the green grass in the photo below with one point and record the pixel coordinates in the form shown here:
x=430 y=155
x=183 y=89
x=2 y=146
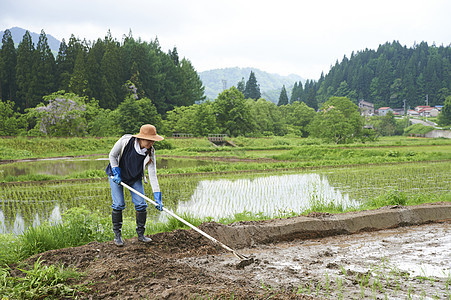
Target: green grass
x=38 y=282
x=22 y=147
x=284 y=153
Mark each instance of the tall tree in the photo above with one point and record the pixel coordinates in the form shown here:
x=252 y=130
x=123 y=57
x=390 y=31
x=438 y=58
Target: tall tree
x=283 y=98
x=384 y=71
x=396 y=93
x=205 y=119
x=78 y=83
x=133 y=113
x=74 y=46
x=43 y=81
x=135 y=59
x=192 y=86
x=444 y=118
x=297 y=116
x=252 y=89
x=310 y=95
x=25 y=62
x=113 y=75
x=267 y=117
x=8 y=62
x=241 y=85
x=174 y=56
x=338 y=121
x=63 y=67
x=170 y=95
x=297 y=93
x=93 y=69
x=231 y=113
x=10 y=120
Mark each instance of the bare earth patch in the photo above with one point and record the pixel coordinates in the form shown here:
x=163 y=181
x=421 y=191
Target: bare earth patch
x=393 y=251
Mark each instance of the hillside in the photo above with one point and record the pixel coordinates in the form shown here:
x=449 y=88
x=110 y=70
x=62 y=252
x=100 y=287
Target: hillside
x=391 y=74
x=17 y=34
x=270 y=84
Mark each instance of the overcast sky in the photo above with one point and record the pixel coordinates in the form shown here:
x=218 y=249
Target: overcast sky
x=283 y=36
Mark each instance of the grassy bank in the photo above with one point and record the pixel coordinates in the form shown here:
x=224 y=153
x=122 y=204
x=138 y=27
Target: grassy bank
x=251 y=154
x=38 y=147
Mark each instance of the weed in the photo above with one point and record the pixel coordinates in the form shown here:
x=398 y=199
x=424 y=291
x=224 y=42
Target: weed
x=38 y=282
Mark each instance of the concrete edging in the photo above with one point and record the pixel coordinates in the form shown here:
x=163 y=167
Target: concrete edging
x=247 y=234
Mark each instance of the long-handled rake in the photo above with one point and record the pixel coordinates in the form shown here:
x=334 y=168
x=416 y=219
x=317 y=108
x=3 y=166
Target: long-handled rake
x=244 y=259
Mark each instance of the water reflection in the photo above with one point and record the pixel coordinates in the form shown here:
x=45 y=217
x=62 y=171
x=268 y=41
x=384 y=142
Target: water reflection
x=20 y=224
x=221 y=198
x=2 y=222
x=270 y=195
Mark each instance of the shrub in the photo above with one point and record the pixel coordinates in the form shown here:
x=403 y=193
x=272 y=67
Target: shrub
x=418 y=129
x=392 y=197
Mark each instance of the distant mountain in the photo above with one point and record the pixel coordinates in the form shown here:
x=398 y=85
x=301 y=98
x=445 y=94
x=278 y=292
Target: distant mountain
x=17 y=33
x=270 y=84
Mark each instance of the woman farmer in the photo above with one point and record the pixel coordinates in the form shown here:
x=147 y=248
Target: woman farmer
x=128 y=160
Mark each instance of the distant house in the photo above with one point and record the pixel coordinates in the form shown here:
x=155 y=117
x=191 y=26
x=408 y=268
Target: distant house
x=398 y=111
x=413 y=113
x=420 y=107
x=384 y=110
x=366 y=108
x=429 y=112
x=439 y=107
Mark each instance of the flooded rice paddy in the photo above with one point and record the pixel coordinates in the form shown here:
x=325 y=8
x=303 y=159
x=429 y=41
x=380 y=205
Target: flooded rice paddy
x=219 y=196
x=269 y=195
x=65 y=165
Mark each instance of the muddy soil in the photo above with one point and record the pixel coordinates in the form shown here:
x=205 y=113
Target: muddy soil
x=394 y=252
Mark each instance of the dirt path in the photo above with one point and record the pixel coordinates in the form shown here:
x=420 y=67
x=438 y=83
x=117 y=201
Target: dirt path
x=362 y=254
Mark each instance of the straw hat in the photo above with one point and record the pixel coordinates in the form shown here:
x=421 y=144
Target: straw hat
x=149 y=132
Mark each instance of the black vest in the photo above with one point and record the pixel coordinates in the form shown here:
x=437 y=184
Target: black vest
x=131 y=164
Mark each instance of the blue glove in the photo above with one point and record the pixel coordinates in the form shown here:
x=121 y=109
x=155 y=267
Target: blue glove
x=157 y=196
x=117 y=175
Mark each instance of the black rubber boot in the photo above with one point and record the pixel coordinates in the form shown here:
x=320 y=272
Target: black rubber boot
x=116 y=217
x=141 y=217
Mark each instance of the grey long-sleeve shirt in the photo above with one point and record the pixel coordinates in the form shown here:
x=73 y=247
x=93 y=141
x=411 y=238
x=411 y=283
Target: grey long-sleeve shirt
x=116 y=153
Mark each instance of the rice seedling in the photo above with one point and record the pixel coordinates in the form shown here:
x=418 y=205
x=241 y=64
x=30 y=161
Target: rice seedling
x=327 y=284
x=223 y=197
x=339 y=282
x=383 y=279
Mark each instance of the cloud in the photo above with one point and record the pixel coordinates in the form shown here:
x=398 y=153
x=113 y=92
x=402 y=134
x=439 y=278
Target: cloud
x=301 y=37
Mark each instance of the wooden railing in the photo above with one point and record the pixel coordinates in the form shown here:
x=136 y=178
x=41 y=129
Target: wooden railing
x=217 y=137
x=182 y=135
